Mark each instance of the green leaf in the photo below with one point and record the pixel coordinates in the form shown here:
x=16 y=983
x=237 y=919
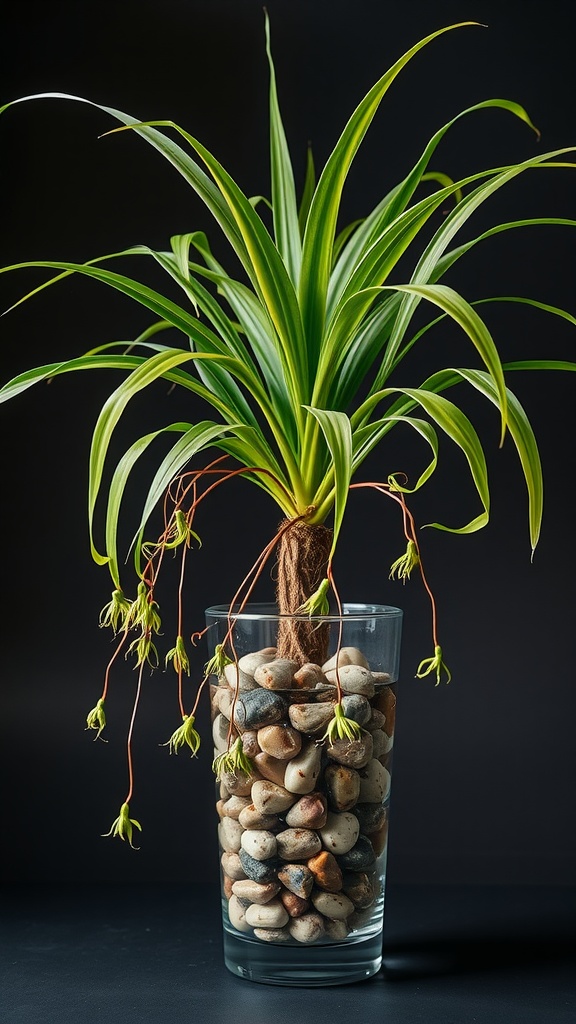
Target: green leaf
x=117 y=488
x=286 y=228
x=307 y=192
x=323 y=214
x=366 y=438
x=336 y=429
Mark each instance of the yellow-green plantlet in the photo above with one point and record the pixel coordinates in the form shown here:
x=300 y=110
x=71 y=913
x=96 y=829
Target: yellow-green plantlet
x=299 y=357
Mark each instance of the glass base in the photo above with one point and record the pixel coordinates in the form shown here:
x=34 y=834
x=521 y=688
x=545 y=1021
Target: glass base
x=308 y=966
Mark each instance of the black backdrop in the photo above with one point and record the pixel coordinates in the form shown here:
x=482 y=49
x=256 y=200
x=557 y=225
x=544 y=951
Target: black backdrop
x=484 y=768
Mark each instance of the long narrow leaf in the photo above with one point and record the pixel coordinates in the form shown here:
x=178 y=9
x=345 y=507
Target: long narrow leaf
x=336 y=429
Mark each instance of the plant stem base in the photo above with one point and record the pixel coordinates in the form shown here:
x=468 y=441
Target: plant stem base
x=316 y=966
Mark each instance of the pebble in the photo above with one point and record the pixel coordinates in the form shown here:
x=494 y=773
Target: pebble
x=386 y=703
x=326 y=871
x=277 y=674
x=295 y=905
x=230 y=833
x=336 y=906
x=370 y=817
x=224 y=698
x=353 y=679
x=220 y=728
x=238 y=784
x=382 y=678
x=308 y=812
x=237 y=679
x=227 y=885
x=346 y=656
x=377 y=720
x=270 y=915
x=297 y=879
x=272 y=934
x=361 y=888
x=234 y=805
x=258 y=708
x=258 y=870
x=382 y=743
x=237 y=914
x=311 y=718
x=248 y=663
x=374 y=783
x=255 y=892
x=270 y=768
x=232 y=866
x=250 y=817
x=269 y=798
x=250 y=743
x=336 y=930
x=280 y=741
x=302 y=771
x=343 y=785
x=357 y=707
x=352 y=753
x=307 y=677
x=259 y=844
x=220 y=808
x=378 y=839
x=297 y=843
x=340 y=832
x=360 y=858
x=307 y=928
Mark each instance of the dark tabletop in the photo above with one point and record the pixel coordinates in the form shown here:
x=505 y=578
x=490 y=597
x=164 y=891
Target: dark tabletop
x=151 y=953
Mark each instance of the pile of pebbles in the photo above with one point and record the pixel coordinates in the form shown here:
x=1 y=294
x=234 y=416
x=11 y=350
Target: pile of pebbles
x=302 y=834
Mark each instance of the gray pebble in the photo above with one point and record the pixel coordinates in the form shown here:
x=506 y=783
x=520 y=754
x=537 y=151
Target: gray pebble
x=258 y=708
x=357 y=707
x=258 y=870
x=371 y=817
x=297 y=878
x=360 y=857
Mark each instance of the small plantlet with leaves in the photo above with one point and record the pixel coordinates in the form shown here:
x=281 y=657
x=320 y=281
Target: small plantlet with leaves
x=299 y=362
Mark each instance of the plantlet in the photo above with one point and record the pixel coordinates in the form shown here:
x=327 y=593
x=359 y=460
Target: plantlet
x=298 y=361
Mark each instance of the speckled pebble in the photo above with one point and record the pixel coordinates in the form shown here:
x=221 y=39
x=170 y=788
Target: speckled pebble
x=374 y=783
x=361 y=888
x=297 y=843
x=250 y=817
x=277 y=674
x=309 y=811
x=352 y=753
x=230 y=833
x=340 y=832
x=302 y=771
x=295 y=905
x=343 y=785
x=258 y=870
x=258 y=708
x=357 y=707
x=353 y=679
x=370 y=817
x=272 y=934
x=270 y=915
x=259 y=844
x=232 y=807
x=336 y=906
x=237 y=915
x=232 y=866
x=297 y=879
x=269 y=798
x=311 y=718
x=255 y=892
x=307 y=928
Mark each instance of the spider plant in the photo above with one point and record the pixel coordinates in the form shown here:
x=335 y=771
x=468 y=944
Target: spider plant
x=294 y=354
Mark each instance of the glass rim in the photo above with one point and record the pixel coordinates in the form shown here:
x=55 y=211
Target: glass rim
x=267 y=610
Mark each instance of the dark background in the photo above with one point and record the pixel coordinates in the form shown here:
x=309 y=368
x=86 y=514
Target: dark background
x=484 y=769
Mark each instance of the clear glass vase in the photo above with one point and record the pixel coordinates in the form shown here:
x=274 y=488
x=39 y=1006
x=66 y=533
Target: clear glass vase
x=303 y=833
